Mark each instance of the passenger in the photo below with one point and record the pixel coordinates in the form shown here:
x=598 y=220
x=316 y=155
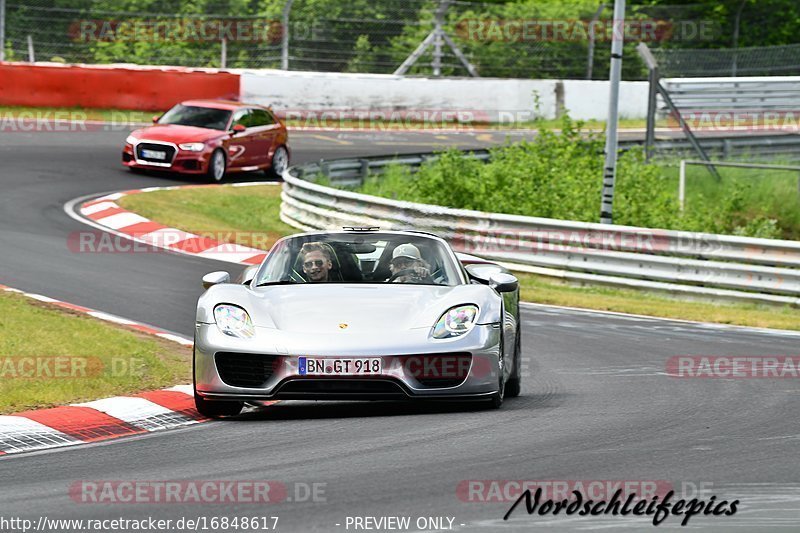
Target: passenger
x=407 y=266
x=316 y=261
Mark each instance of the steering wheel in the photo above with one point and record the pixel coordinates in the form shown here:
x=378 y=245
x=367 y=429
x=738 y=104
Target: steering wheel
x=404 y=272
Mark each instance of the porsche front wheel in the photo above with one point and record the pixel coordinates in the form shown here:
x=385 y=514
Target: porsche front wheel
x=496 y=399
x=514 y=384
x=212 y=409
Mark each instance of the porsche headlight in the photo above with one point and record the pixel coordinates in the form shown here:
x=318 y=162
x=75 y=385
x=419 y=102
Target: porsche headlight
x=234 y=321
x=131 y=139
x=192 y=147
x=456 y=322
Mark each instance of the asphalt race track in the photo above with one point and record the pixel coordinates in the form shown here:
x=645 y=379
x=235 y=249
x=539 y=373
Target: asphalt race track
x=596 y=403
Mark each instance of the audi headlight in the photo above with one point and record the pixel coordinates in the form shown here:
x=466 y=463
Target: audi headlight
x=131 y=139
x=234 y=321
x=192 y=147
x=456 y=322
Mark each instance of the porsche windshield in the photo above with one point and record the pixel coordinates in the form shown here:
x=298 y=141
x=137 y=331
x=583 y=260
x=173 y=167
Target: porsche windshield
x=359 y=258
x=200 y=117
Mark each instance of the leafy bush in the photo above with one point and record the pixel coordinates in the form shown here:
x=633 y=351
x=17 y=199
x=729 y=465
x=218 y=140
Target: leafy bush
x=559 y=175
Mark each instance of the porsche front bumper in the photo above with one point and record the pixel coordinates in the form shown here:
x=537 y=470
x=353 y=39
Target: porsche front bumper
x=413 y=365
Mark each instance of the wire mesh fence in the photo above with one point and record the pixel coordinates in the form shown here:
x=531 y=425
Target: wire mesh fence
x=88 y=32
x=752 y=61
x=522 y=38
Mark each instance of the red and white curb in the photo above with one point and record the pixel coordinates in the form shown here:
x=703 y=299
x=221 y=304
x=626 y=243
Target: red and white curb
x=99 y=420
x=104 y=213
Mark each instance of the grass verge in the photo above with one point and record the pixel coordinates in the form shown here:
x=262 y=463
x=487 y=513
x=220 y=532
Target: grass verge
x=247 y=211
x=245 y=215
x=49 y=356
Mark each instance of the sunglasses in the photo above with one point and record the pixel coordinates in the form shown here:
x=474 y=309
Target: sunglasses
x=317 y=262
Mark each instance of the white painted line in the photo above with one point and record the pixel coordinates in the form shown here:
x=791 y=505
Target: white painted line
x=175 y=338
x=153 y=189
x=254 y=183
x=111 y=318
x=710 y=325
x=122 y=220
x=41 y=298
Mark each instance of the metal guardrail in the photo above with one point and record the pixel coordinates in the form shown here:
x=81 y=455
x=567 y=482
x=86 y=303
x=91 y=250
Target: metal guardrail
x=751 y=105
x=352 y=172
x=750 y=94
x=784 y=147
x=719 y=266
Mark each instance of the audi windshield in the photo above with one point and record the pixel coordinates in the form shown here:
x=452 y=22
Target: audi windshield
x=200 y=117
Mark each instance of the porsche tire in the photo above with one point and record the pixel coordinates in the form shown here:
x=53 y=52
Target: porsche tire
x=210 y=408
x=496 y=399
x=514 y=384
x=216 y=409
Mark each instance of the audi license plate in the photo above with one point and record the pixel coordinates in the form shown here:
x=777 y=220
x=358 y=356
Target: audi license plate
x=154 y=154
x=364 y=366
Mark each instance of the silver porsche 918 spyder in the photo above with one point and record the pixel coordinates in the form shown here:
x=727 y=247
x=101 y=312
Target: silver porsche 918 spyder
x=358 y=314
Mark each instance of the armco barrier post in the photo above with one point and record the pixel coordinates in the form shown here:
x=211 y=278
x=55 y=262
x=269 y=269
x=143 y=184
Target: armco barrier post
x=287 y=9
x=2 y=30
x=223 y=60
x=610 y=166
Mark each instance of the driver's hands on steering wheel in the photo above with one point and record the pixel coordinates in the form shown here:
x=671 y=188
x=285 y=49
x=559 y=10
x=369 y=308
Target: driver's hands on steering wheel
x=417 y=273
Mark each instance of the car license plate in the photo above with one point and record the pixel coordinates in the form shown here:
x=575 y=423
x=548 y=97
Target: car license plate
x=154 y=154
x=363 y=366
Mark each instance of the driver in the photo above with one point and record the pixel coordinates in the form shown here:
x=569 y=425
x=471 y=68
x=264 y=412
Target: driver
x=316 y=261
x=407 y=266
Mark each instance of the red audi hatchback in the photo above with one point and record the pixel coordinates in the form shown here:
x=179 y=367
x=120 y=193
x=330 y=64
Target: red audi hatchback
x=210 y=138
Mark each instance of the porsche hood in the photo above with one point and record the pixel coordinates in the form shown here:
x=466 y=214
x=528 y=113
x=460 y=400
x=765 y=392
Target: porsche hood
x=325 y=308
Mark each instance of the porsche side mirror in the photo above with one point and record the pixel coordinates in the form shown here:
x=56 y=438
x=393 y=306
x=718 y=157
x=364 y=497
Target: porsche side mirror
x=247 y=275
x=482 y=272
x=237 y=128
x=502 y=282
x=155 y=118
x=215 y=278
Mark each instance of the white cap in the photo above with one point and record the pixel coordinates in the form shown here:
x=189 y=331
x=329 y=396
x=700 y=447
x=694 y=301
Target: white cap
x=406 y=250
